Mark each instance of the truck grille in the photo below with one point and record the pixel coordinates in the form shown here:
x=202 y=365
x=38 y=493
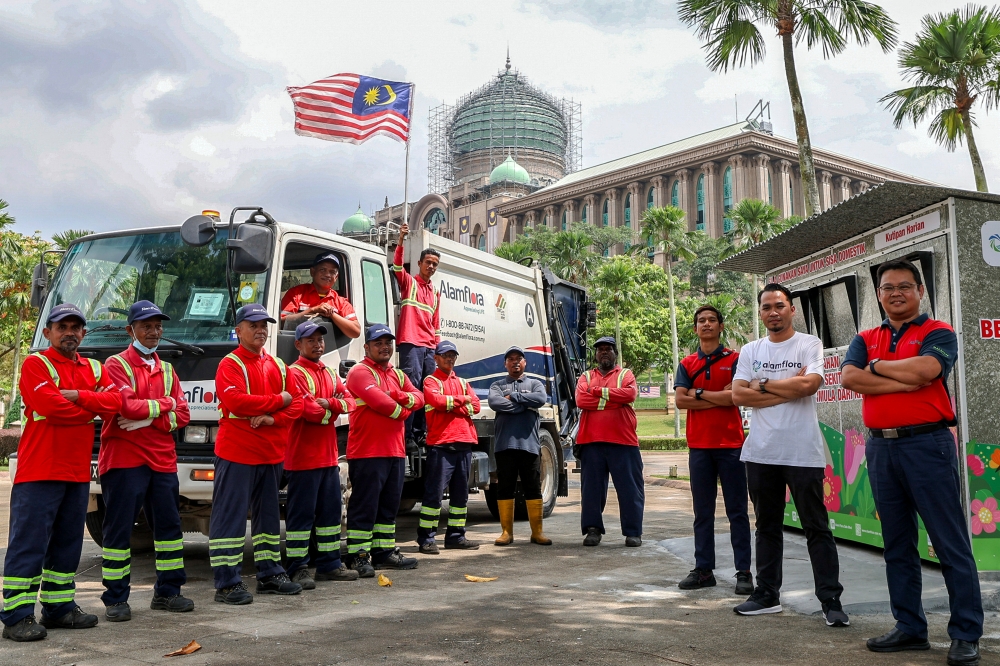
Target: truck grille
x=184 y=450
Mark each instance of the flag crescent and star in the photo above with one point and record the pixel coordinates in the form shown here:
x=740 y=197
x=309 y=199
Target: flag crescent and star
x=352 y=108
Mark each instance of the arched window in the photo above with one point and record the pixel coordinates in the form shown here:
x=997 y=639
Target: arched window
x=675 y=194
x=604 y=215
x=727 y=199
x=564 y=221
x=583 y=213
x=433 y=220
x=791 y=198
x=700 y=191
x=770 y=192
x=482 y=242
x=649 y=198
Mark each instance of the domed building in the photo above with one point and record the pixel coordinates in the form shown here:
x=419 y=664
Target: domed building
x=357 y=224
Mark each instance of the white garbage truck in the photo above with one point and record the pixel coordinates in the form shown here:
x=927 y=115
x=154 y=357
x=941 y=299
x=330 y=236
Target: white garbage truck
x=200 y=272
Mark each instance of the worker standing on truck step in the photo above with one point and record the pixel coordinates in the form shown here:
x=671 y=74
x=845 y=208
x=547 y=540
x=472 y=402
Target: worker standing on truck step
x=257 y=405
x=376 y=455
x=901 y=369
x=311 y=465
x=517 y=447
x=450 y=403
x=62 y=392
x=138 y=466
x=609 y=445
x=319 y=299
x=703 y=385
x=419 y=326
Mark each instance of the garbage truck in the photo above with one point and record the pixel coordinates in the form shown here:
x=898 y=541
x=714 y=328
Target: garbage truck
x=200 y=272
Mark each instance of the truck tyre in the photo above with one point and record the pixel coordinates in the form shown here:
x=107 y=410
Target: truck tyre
x=142 y=533
x=95 y=523
x=549 y=473
x=345 y=495
x=406 y=505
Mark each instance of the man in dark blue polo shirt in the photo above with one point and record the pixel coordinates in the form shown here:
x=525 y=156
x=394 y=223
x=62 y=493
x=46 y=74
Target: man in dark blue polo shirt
x=901 y=369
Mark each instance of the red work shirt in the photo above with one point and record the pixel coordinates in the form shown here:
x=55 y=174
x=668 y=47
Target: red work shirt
x=449 y=404
x=304 y=296
x=58 y=439
x=606 y=401
x=250 y=385
x=313 y=441
x=419 y=309
x=718 y=427
x=384 y=397
x=144 y=392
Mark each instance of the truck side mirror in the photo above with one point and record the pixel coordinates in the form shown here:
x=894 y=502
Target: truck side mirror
x=198 y=230
x=345 y=366
x=39 y=284
x=252 y=249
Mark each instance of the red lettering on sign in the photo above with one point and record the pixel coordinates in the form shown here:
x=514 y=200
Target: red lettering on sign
x=986 y=328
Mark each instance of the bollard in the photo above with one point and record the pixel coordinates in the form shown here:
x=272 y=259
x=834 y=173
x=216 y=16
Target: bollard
x=673 y=472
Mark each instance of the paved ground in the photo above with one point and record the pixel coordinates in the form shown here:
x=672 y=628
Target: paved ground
x=558 y=605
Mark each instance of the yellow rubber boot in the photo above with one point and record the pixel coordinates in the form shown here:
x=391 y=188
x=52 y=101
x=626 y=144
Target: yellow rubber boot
x=535 y=518
x=506 y=510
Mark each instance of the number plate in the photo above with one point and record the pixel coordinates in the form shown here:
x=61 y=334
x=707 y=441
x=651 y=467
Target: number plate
x=94 y=476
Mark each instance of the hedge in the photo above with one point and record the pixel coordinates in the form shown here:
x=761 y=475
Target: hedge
x=663 y=443
x=9 y=438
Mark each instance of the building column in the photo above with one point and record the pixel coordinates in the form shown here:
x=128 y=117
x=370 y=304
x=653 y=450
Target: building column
x=510 y=231
x=571 y=213
x=530 y=219
x=592 y=201
x=638 y=193
x=761 y=165
x=549 y=217
x=843 y=188
x=659 y=185
x=784 y=184
x=684 y=196
x=825 y=189
x=860 y=187
x=738 y=163
x=614 y=217
x=713 y=200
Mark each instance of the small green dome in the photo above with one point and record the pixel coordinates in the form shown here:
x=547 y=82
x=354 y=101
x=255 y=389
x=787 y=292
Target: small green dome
x=357 y=223
x=511 y=171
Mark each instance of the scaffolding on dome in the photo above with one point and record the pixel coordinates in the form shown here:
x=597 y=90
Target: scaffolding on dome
x=439 y=164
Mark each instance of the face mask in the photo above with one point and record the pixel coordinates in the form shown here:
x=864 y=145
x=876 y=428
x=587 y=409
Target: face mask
x=142 y=348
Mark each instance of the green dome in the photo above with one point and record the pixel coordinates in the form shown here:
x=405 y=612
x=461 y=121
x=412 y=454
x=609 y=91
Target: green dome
x=511 y=171
x=357 y=223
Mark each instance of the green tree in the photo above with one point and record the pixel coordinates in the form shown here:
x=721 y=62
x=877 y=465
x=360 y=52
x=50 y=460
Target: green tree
x=731 y=31
x=64 y=238
x=754 y=221
x=519 y=251
x=954 y=62
x=571 y=257
x=615 y=282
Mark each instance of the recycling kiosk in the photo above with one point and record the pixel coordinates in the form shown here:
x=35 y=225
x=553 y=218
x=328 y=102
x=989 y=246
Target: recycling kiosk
x=829 y=263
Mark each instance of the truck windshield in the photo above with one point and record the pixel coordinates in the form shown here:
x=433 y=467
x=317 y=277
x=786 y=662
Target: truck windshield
x=103 y=277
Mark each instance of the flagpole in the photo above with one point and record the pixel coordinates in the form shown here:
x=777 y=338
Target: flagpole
x=406 y=170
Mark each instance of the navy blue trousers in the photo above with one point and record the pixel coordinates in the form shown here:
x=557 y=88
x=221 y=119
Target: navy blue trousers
x=314 y=505
x=376 y=486
x=240 y=489
x=624 y=465
x=126 y=492
x=447 y=466
x=43 y=548
x=416 y=363
x=914 y=475
x=707 y=467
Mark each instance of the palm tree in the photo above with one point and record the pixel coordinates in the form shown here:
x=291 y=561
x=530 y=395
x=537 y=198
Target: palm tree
x=615 y=282
x=10 y=248
x=64 y=238
x=15 y=298
x=519 y=251
x=668 y=226
x=731 y=30
x=954 y=61
x=572 y=258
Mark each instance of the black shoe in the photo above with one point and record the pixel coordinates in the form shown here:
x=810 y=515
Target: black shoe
x=75 y=619
x=302 y=577
x=277 y=584
x=175 y=604
x=237 y=595
x=24 y=631
x=895 y=640
x=759 y=603
x=462 y=544
x=120 y=612
x=396 y=560
x=593 y=537
x=744 y=583
x=963 y=653
x=697 y=579
x=342 y=573
x=363 y=565
x=834 y=614
x=633 y=542
x=430 y=548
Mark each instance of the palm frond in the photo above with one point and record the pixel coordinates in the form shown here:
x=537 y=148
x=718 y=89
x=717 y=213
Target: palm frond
x=918 y=102
x=948 y=129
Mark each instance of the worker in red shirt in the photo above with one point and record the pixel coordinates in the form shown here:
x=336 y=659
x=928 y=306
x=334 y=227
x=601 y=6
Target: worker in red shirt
x=312 y=466
x=609 y=444
x=319 y=299
x=138 y=466
x=449 y=404
x=376 y=455
x=704 y=386
x=258 y=405
x=62 y=393
x=419 y=326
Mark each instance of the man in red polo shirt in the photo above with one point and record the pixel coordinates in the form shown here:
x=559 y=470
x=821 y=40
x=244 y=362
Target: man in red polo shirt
x=901 y=368
x=704 y=386
x=319 y=298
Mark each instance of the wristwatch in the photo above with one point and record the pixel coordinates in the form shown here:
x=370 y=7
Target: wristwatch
x=871 y=366
x=697 y=393
x=763 y=385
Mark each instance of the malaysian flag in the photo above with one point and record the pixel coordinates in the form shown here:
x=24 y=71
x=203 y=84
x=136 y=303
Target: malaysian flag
x=352 y=108
x=646 y=391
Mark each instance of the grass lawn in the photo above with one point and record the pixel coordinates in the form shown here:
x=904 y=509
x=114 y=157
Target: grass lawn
x=658 y=424
x=675 y=478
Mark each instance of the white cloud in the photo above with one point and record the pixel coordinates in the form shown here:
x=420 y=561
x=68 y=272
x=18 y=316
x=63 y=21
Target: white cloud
x=201 y=146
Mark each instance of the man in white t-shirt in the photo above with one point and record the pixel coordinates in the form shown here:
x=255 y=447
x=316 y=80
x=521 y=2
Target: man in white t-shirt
x=778 y=377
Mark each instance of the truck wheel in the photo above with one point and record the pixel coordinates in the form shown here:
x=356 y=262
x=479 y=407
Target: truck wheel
x=406 y=505
x=491 y=501
x=142 y=533
x=549 y=464
x=345 y=495
x=95 y=523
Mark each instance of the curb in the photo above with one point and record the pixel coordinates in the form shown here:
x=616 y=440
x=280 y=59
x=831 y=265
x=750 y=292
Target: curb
x=669 y=483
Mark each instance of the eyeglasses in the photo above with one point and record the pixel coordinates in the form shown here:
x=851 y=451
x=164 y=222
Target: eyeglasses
x=904 y=288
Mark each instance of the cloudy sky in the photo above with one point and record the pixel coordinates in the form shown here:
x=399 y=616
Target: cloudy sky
x=122 y=114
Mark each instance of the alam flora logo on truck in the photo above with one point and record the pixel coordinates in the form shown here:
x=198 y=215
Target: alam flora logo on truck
x=203 y=403
x=473 y=302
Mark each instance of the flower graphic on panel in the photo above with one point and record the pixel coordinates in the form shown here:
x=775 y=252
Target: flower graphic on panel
x=976 y=465
x=984 y=515
x=854 y=453
x=995 y=459
x=831 y=489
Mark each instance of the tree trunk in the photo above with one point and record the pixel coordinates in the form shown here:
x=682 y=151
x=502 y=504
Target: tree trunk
x=977 y=162
x=17 y=359
x=673 y=339
x=618 y=334
x=806 y=168
x=756 y=316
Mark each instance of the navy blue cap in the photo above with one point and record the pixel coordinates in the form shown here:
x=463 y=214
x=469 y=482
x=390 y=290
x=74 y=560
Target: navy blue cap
x=376 y=331
x=444 y=347
x=513 y=349
x=307 y=328
x=63 y=310
x=326 y=256
x=607 y=340
x=253 y=312
x=144 y=310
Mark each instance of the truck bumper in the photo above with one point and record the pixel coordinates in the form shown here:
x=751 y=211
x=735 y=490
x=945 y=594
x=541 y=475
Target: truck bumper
x=189 y=487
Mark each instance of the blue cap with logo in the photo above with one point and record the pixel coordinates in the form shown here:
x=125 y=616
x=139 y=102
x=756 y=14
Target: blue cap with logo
x=63 y=310
x=144 y=310
x=307 y=328
x=444 y=347
x=253 y=312
x=326 y=256
x=607 y=340
x=513 y=350
x=376 y=331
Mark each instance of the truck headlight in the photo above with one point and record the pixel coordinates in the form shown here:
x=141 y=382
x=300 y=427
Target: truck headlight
x=213 y=434
x=196 y=435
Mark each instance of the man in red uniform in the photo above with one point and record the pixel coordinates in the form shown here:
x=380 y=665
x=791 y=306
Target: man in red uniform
x=62 y=393
x=311 y=465
x=258 y=406
x=704 y=386
x=449 y=404
x=609 y=444
x=419 y=326
x=138 y=466
x=319 y=298
x=376 y=454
